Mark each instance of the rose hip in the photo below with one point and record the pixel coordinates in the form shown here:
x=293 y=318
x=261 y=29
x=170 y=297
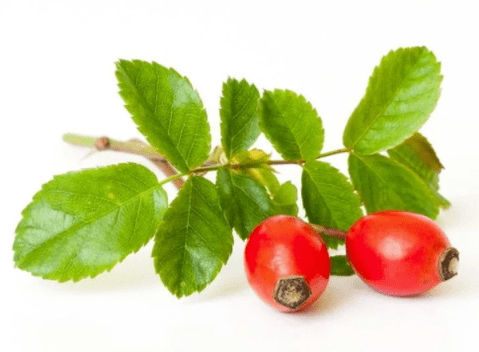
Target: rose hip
x=400 y=253
x=287 y=263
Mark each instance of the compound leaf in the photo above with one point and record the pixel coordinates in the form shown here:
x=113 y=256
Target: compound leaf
x=83 y=223
x=167 y=110
x=194 y=240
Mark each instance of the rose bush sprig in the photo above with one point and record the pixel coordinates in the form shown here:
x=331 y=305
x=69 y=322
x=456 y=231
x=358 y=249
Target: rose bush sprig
x=83 y=223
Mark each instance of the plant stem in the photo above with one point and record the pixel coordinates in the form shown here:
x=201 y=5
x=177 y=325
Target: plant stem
x=205 y=169
x=336 y=233
x=284 y=162
x=301 y=161
x=168 y=170
x=133 y=146
x=172 y=178
x=137 y=147
x=333 y=152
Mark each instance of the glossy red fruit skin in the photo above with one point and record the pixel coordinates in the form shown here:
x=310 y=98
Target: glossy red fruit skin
x=284 y=246
x=396 y=252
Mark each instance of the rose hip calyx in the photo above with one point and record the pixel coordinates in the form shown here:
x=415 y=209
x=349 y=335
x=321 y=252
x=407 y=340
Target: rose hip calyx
x=292 y=291
x=448 y=263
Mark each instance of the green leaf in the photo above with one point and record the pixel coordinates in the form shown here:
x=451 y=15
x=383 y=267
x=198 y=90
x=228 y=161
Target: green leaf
x=329 y=199
x=402 y=92
x=255 y=159
x=245 y=202
x=291 y=124
x=265 y=176
x=284 y=197
x=167 y=110
x=284 y=200
x=418 y=154
x=83 y=223
x=194 y=239
x=384 y=184
x=441 y=201
x=239 y=116
x=340 y=266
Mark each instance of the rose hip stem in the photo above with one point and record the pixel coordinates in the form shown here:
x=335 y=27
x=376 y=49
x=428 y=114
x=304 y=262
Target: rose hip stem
x=336 y=233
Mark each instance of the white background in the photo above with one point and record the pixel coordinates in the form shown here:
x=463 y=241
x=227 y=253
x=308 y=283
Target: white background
x=57 y=75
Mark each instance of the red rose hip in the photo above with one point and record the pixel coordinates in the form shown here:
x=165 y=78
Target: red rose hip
x=287 y=263
x=400 y=253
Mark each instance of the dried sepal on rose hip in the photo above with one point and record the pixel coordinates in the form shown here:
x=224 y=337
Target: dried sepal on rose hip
x=400 y=253
x=286 y=263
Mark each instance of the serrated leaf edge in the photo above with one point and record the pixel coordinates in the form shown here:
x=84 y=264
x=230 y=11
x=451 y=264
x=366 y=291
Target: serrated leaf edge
x=369 y=87
x=268 y=135
x=107 y=268
x=183 y=166
x=215 y=273
x=229 y=153
x=426 y=187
